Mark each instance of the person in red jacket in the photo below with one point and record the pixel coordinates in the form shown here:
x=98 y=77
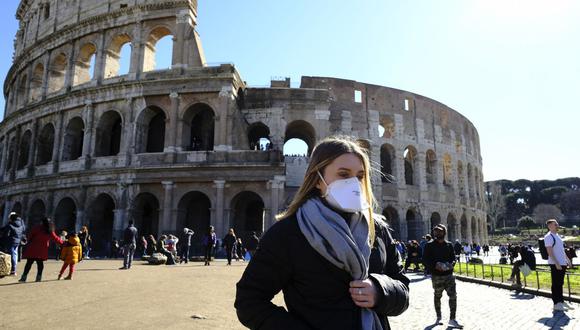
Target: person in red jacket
x=37 y=247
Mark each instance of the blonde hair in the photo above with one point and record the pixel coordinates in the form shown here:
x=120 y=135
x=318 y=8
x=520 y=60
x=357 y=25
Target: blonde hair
x=325 y=152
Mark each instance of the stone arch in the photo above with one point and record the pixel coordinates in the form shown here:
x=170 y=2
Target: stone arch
x=302 y=130
x=387 y=162
x=150 y=130
x=452 y=227
x=23 y=149
x=65 y=215
x=36 y=82
x=389 y=126
x=464 y=229
x=259 y=136
x=247 y=214
x=414 y=224
x=17 y=208
x=198 y=128
x=431 y=166
x=109 y=132
x=45 y=145
x=85 y=64
x=101 y=216
x=36 y=213
x=73 y=139
x=474 y=230
x=149 y=58
x=114 y=53
x=435 y=220
x=447 y=170
x=411 y=168
x=57 y=73
x=145 y=214
x=21 y=91
x=460 y=179
x=392 y=217
x=194 y=212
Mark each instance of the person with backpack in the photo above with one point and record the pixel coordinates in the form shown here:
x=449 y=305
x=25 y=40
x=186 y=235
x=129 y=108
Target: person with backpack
x=558 y=262
x=12 y=235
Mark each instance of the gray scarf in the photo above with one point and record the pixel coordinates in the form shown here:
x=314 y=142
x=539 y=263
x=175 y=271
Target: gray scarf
x=344 y=246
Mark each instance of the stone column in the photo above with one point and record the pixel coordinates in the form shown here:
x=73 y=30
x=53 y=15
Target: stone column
x=136 y=65
x=179 y=51
x=127 y=140
x=31 y=150
x=119 y=221
x=58 y=142
x=171 y=137
x=45 y=75
x=276 y=190
x=70 y=67
x=100 y=59
x=89 y=133
x=221 y=130
x=168 y=223
x=4 y=159
x=221 y=226
x=15 y=153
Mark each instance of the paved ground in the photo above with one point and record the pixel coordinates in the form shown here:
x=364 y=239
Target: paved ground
x=101 y=296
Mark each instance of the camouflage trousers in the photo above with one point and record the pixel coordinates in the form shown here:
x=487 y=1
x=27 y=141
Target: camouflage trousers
x=445 y=283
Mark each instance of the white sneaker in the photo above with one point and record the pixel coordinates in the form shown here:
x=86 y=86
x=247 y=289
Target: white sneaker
x=559 y=307
x=454 y=324
x=567 y=306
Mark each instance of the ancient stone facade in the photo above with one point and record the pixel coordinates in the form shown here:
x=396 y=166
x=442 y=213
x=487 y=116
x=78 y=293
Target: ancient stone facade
x=89 y=145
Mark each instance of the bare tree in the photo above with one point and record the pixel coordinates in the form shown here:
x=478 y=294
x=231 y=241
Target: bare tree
x=543 y=212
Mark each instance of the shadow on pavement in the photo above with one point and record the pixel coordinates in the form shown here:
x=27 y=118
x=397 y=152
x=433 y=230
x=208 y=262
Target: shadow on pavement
x=419 y=279
x=557 y=321
x=522 y=296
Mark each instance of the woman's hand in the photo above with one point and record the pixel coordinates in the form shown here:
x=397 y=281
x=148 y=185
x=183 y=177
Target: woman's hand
x=363 y=293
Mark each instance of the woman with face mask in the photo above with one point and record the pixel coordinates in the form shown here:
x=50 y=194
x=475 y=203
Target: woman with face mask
x=332 y=257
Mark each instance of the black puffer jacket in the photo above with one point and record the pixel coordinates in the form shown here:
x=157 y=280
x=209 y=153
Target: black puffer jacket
x=315 y=291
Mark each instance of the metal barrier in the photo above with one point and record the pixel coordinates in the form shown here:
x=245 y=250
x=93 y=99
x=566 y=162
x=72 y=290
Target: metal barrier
x=466 y=269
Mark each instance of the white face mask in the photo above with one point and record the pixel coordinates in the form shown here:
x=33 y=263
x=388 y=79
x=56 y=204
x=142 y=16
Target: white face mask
x=345 y=195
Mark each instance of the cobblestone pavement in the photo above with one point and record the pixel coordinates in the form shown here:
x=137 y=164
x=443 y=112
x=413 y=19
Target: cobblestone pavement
x=483 y=307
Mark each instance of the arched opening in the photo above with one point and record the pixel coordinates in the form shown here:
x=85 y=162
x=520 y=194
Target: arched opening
x=45 y=145
x=23 y=150
x=410 y=157
x=464 y=229
x=247 y=214
x=118 y=56
x=259 y=137
x=451 y=227
x=194 y=212
x=295 y=147
x=85 y=64
x=392 y=217
x=387 y=157
x=36 y=213
x=145 y=214
x=198 y=130
x=21 y=91
x=17 y=208
x=65 y=215
x=474 y=230
x=301 y=130
x=447 y=169
x=431 y=167
x=388 y=126
x=73 y=139
x=36 y=82
x=151 y=130
x=57 y=73
x=158 y=50
x=109 y=133
x=435 y=220
x=101 y=219
x=414 y=225
x=11 y=154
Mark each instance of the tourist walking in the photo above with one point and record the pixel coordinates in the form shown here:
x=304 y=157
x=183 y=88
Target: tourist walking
x=229 y=243
x=457 y=248
x=129 y=244
x=439 y=260
x=12 y=234
x=86 y=241
x=467 y=251
x=37 y=247
x=558 y=262
x=209 y=242
x=240 y=250
x=71 y=254
x=185 y=245
x=252 y=244
x=319 y=253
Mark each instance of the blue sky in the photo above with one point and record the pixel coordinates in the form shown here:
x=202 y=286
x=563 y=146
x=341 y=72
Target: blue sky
x=511 y=66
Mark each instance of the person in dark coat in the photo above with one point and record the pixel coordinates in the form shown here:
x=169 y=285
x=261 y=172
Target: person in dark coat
x=252 y=243
x=86 y=241
x=240 y=250
x=37 y=247
x=185 y=244
x=209 y=242
x=129 y=244
x=333 y=258
x=12 y=235
x=528 y=258
x=229 y=243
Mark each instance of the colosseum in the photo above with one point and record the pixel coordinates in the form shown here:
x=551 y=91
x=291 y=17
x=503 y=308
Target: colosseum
x=193 y=145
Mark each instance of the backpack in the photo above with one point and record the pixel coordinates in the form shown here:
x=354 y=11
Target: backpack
x=542 y=246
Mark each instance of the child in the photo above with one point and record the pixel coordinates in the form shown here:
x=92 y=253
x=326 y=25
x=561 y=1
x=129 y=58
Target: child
x=71 y=253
